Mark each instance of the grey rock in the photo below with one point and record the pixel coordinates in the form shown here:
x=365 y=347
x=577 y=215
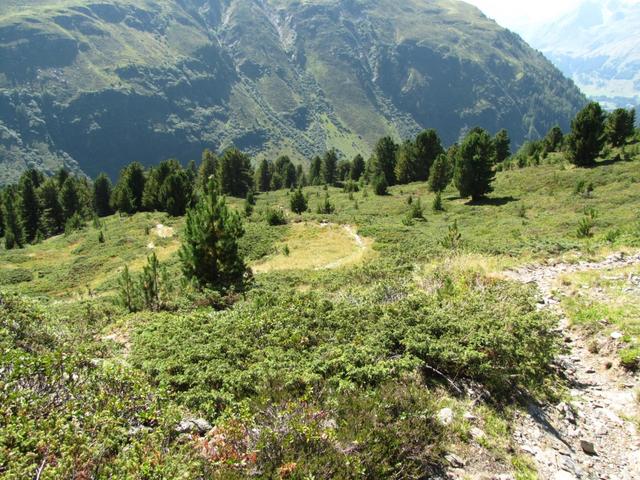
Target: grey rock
x=194 y=425
x=588 y=447
x=454 y=460
x=445 y=416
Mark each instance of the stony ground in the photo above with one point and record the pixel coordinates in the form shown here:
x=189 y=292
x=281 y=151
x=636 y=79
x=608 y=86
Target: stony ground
x=592 y=434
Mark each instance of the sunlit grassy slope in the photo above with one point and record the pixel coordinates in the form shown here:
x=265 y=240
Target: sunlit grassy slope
x=533 y=213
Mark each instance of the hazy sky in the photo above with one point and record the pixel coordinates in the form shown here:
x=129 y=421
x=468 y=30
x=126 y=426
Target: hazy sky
x=516 y=13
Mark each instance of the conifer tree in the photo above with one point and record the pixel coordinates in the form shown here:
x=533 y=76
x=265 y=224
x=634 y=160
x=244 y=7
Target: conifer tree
x=234 y=173
x=263 y=176
x=357 y=167
x=175 y=193
x=102 y=192
x=384 y=160
x=441 y=173
x=554 y=139
x=29 y=208
x=1 y=215
x=207 y=170
x=130 y=189
x=52 y=215
x=619 y=126
x=298 y=202
x=502 y=145
x=406 y=169
x=315 y=171
x=301 y=178
x=69 y=198
x=428 y=147
x=61 y=176
x=587 y=135
x=329 y=167
x=474 y=170
x=209 y=251
x=13 y=235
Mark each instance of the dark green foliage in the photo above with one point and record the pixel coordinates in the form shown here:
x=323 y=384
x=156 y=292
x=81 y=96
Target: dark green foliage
x=415 y=210
x=101 y=238
x=343 y=171
x=61 y=176
x=206 y=170
x=234 y=173
x=441 y=174
x=474 y=170
x=284 y=173
x=357 y=168
x=474 y=334
x=263 y=176
x=315 y=171
x=384 y=160
x=587 y=136
x=52 y=222
x=503 y=146
x=301 y=178
x=128 y=291
x=325 y=207
x=150 y=283
x=102 y=192
x=406 y=168
x=155 y=180
x=29 y=208
x=74 y=223
x=554 y=140
x=69 y=198
x=329 y=167
x=619 y=126
x=350 y=187
x=209 y=251
x=128 y=192
x=176 y=193
x=15 y=276
x=437 y=203
x=427 y=148
x=275 y=217
x=380 y=185
x=298 y=202
x=1 y=215
x=13 y=234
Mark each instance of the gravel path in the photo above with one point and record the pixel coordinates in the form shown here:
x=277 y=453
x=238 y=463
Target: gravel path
x=590 y=436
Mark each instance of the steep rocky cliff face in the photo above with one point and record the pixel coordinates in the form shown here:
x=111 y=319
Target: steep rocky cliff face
x=96 y=84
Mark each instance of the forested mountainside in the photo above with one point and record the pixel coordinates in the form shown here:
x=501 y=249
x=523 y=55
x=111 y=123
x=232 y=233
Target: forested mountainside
x=93 y=84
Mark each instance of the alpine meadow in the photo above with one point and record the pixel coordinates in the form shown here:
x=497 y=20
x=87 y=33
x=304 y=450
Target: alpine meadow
x=313 y=239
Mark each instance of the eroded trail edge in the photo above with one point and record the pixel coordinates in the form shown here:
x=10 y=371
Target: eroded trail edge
x=592 y=434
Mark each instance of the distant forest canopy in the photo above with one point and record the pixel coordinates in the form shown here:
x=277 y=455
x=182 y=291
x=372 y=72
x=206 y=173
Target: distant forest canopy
x=38 y=207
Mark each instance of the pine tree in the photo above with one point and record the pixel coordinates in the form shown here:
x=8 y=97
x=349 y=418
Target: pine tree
x=315 y=171
x=61 y=176
x=69 y=198
x=329 y=167
x=474 y=170
x=406 y=169
x=129 y=190
x=441 y=173
x=29 y=208
x=554 y=139
x=357 y=167
x=234 y=173
x=52 y=214
x=102 y=192
x=209 y=251
x=263 y=176
x=385 y=159
x=301 y=178
x=175 y=193
x=587 y=135
x=128 y=292
x=1 y=215
x=380 y=185
x=298 y=202
x=207 y=170
x=502 y=145
x=151 y=196
x=150 y=283
x=619 y=126
x=13 y=234
x=428 y=147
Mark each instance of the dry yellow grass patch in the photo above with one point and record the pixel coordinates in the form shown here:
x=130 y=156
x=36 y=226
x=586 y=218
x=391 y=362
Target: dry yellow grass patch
x=313 y=246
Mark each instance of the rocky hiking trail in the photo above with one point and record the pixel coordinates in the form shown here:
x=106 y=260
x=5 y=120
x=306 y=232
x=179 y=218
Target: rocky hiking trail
x=591 y=436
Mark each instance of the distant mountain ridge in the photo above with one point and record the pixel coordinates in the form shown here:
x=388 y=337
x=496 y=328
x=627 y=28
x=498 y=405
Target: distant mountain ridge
x=598 y=46
x=96 y=84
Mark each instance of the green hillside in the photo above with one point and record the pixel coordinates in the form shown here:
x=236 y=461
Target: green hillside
x=94 y=85
x=358 y=329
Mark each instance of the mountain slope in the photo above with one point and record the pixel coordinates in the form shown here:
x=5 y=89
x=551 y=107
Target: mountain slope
x=596 y=46
x=95 y=84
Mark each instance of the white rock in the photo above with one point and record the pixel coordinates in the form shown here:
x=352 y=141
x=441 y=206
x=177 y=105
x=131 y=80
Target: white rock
x=563 y=475
x=477 y=434
x=469 y=416
x=454 y=460
x=445 y=416
x=617 y=335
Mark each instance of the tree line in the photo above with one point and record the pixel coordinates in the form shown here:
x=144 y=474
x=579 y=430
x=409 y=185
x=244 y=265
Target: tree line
x=38 y=207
